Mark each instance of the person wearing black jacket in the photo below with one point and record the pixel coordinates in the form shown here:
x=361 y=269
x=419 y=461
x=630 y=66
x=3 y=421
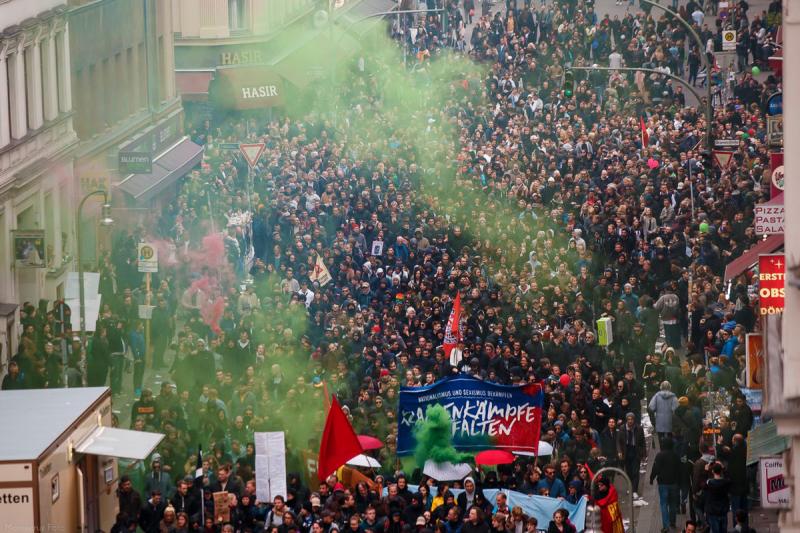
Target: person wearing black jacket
x=560 y=523
x=152 y=513
x=737 y=473
x=475 y=522
x=632 y=449
x=184 y=501
x=130 y=503
x=666 y=468
x=716 y=499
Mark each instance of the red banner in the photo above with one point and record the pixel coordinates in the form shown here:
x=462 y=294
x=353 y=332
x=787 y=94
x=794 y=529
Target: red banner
x=776 y=166
x=771 y=277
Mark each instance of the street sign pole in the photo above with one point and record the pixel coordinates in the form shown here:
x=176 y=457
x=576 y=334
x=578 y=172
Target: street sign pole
x=148 y=351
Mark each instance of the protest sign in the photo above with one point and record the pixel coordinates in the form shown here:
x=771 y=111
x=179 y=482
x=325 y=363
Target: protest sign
x=484 y=415
x=270 y=465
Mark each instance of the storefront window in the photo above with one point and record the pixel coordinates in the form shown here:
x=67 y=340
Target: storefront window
x=237 y=15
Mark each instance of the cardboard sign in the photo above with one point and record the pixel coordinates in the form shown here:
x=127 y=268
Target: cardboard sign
x=771 y=281
x=775 y=494
x=222 y=510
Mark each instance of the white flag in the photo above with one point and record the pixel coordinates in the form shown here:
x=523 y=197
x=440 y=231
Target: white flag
x=320 y=273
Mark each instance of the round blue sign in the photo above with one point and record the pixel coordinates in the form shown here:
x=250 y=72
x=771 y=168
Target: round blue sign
x=775 y=104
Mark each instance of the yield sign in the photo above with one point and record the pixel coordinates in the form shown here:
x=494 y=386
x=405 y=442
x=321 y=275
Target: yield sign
x=722 y=158
x=252 y=152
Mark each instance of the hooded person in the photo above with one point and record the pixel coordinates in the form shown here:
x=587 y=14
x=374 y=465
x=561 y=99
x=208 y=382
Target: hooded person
x=158 y=480
x=663 y=404
x=467 y=498
x=607 y=499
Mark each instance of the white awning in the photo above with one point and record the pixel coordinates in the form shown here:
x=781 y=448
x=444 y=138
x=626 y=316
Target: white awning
x=113 y=442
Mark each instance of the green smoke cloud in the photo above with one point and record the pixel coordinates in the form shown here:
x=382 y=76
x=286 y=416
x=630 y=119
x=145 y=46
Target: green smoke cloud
x=434 y=441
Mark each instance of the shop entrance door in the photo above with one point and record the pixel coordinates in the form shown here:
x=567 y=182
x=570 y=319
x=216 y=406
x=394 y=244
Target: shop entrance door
x=89 y=499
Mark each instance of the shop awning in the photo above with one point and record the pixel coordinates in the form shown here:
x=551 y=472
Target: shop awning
x=365 y=8
x=193 y=85
x=764 y=441
x=114 y=442
x=250 y=87
x=167 y=168
x=749 y=259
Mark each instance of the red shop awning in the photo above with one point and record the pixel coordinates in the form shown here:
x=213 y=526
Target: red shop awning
x=749 y=259
x=193 y=85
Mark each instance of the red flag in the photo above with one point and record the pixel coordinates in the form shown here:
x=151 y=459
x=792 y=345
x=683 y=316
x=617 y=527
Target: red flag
x=645 y=135
x=610 y=516
x=339 y=442
x=452 y=332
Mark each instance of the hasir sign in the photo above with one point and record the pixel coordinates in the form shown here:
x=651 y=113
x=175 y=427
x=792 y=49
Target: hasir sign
x=771 y=282
x=484 y=415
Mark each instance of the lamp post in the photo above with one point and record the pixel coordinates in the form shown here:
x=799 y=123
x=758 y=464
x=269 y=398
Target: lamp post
x=105 y=220
x=704 y=59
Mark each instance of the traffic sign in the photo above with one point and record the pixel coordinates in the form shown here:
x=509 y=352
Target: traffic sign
x=728 y=40
x=228 y=146
x=726 y=143
x=148 y=257
x=252 y=152
x=722 y=158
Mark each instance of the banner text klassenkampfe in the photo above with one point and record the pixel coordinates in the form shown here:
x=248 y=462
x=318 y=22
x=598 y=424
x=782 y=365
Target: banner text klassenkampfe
x=484 y=415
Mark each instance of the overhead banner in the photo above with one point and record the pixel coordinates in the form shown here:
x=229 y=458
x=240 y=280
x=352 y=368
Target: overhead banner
x=771 y=278
x=484 y=415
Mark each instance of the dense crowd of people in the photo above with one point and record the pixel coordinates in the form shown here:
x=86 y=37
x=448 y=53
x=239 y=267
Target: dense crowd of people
x=545 y=211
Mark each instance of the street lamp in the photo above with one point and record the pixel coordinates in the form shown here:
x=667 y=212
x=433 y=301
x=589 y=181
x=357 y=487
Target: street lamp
x=701 y=47
x=105 y=220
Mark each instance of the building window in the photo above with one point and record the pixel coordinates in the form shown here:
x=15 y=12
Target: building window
x=237 y=15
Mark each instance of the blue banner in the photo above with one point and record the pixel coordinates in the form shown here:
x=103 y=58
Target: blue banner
x=484 y=415
x=540 y=507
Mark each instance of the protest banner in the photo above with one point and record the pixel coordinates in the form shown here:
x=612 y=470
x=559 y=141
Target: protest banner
x=484 y=415
x=270 y=465
x=539 y=507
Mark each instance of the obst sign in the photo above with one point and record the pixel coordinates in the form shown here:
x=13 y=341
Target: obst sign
x=771 y=279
